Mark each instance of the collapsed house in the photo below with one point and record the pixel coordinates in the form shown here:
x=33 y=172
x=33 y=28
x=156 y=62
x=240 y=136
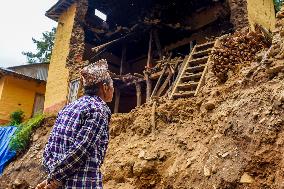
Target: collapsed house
x=154 y=48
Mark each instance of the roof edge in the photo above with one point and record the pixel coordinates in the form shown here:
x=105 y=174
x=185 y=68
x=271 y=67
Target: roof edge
x=28 y=65
x=5 y=71
x=58 y=8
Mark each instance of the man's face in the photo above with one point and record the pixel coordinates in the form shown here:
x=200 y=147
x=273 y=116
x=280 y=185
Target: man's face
x=108 y=91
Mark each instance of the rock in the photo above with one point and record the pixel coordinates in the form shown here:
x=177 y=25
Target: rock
x=210 y=105
x=281 y=33
x=275 y=69
x=281 y=98
x=141 y=154
x=143 y=167
x=17 y=182
x=280 y=15
x=32 y=155
x=225 y=154
x=255 y=115
x=162 y=156
x=277 y=103
x=262 y=120
x=18 y=168
x=151 y=156
x=214 y=169
x=190 y=161
x=35 y=137
x=20 y=184
x=268 y=61
x=206 y=171
x=174 y=168
x=246 y=178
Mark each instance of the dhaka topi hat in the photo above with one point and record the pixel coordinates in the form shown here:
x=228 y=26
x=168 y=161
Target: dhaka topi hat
x=95 y=73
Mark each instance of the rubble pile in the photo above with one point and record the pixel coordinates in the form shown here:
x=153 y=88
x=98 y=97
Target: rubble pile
x=230 y=136
x=238 y=48
x=27 y=170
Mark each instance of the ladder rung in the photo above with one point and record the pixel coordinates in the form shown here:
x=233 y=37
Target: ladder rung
x=196 y=68
x=197 y=61
x=188 y=85
x=183 y=94
x=188 y=77
x=205 y=46
x=201 y=54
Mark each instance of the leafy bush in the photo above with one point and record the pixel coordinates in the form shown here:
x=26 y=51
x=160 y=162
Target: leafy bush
x=21 y=138
x=16 y=117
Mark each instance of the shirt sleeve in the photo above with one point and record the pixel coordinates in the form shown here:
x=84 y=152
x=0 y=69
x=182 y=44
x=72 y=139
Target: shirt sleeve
x=86 y=137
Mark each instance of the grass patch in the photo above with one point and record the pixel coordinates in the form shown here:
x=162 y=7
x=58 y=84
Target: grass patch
x=21 y=138
x=16 y=117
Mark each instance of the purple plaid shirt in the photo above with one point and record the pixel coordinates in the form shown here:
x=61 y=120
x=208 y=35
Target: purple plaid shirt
x=77 y=144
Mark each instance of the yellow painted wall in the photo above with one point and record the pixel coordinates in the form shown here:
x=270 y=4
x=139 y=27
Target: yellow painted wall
x=2 y=80
x=57 y=82
x=261 y=12
x=18 y=94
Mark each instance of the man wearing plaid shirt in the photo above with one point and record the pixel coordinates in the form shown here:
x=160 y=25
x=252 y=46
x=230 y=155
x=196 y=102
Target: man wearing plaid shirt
x=77 y=144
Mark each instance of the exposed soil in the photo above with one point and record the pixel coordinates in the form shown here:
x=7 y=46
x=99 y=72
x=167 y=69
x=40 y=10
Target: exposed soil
x=228 y=137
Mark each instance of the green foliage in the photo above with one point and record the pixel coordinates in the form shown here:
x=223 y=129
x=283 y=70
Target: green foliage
x=278 y=4
x=21 y=138
x=44 y=47
x=16 y=117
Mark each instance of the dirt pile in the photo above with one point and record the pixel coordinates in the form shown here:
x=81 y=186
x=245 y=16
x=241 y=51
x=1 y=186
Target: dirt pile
x=233 y=140
x=239 y=48
x=27 y=171
x=231 y=136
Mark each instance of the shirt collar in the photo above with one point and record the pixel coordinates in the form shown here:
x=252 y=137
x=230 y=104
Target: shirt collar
x=98 y=99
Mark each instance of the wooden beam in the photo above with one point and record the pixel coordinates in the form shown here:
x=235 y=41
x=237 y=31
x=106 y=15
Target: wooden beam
x=158 y=74
x=153 y=117
x=163 y=87
x=123 y=58
x=158 y=43
x=149 y=59
x=117 y=99
x=159 y=81
x=138 y=94
x=149 y=86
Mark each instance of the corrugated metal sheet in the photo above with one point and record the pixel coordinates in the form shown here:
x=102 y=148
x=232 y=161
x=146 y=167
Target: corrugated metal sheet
x=37 y=71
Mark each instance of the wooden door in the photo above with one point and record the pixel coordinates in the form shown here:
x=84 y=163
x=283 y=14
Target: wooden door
x=38 y=104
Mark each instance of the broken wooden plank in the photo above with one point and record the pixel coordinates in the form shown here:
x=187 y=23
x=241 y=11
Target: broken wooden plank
x=149 y=57
x=164 y=85
x=159 y=81
x=148 y=86
x=153 y=116
x=123 y=58
x=158 y=43
x=138 y=94
x=117 y=99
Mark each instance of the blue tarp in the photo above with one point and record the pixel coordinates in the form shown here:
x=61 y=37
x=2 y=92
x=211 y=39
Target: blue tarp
x=5 y=153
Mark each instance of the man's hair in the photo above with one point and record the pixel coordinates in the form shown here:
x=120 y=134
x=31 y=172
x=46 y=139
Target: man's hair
x=92 y=90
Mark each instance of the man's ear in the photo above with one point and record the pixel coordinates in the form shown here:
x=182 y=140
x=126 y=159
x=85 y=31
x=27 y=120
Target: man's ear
x=105 y=88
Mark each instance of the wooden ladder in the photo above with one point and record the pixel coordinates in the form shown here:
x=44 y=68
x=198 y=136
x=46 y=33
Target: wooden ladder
x=192 y=71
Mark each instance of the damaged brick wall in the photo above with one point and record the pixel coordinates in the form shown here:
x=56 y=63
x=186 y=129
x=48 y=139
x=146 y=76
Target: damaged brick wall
x=75 y=60
x=239 y=13
x=77 y=43
x=276 y=52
